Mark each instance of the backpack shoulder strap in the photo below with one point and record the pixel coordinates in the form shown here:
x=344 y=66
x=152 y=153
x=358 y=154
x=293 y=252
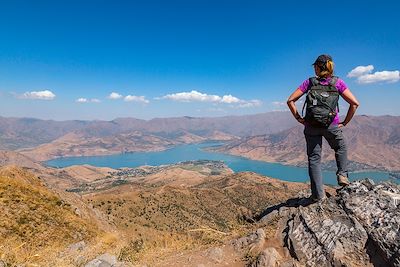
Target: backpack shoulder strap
x=333 y=83
x=313 y=81
x=333 y=80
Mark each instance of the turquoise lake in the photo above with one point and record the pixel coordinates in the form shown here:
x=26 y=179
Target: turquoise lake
x=195 y=152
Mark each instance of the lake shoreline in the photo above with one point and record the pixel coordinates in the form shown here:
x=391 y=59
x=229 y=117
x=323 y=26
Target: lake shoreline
x=197 y=152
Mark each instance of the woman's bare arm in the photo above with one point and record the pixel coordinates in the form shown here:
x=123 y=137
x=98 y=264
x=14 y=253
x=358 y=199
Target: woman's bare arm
x=351 y=99
x=291 y=104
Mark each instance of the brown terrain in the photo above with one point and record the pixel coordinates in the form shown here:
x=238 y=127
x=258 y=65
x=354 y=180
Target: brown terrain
x=145 y=214
x=194 y=213
x=73 y=144
x=19 y=133
x=373 y=143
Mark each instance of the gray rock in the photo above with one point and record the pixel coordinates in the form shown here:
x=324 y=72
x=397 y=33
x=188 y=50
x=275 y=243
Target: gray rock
x=270 y=216
x=361 y=226
x=376 y=209
x=254 y=239
x=105 y=260
x=111 y=259
x=98 y=263
x=320 y=235
x=268 y=258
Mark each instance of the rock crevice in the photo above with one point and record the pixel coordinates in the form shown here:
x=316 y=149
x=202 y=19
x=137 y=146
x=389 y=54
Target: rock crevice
x=357 y=227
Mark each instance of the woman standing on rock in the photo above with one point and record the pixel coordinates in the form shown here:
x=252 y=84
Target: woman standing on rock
x=322 y=120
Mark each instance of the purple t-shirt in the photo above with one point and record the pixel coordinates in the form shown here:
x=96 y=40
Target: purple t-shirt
x=340 y=85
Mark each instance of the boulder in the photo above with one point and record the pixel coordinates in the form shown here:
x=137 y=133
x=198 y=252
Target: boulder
x=360 y=226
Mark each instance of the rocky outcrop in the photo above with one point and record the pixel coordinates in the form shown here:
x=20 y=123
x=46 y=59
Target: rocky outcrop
x=106 y=260
x=357 y=227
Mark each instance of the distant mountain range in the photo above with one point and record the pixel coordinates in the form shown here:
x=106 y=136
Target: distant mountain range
x=18 y=133
x=373 y=143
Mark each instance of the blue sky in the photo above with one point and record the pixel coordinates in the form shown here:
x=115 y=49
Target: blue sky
x=62 y=59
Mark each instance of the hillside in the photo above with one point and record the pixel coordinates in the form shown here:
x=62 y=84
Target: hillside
x=73 y=144
x=189 y=214
x=373 y=143
x=149 y=210
x=169 y=216
x=36 y=224
x=15 y=158
x=19 y=133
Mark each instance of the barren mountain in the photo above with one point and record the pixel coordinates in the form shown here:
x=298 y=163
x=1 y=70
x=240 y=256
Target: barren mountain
x=15 y=158
x=373 y=142
x=73 y=144
x=18 y=133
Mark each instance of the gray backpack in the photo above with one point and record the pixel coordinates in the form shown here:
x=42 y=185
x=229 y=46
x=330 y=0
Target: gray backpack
x=321 y=103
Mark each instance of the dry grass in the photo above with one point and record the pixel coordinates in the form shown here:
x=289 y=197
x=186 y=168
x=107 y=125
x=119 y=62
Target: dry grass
x=163 y=220
x=151 y=222
x=35 y=223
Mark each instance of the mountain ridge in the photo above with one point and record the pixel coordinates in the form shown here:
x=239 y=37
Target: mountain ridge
x=372 y=144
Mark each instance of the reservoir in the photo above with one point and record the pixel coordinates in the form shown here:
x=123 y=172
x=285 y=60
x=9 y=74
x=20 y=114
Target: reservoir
x=196 y=152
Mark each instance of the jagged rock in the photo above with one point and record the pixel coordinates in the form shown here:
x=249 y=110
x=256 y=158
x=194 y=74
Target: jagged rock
x=358 y=227
x=377 y=209
x=269 y=217
x=252 y=240
x=268 y=258
x=324 y=235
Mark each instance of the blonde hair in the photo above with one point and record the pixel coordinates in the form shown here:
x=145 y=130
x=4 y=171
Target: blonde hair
x=328 y=71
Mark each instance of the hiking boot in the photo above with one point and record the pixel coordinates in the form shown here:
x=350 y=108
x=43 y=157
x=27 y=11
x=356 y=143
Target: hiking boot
x=342 y=180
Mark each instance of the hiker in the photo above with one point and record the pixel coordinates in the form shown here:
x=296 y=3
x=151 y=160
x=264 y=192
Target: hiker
x=322 y=120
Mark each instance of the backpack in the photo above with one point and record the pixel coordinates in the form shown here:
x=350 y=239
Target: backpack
x=322 y=103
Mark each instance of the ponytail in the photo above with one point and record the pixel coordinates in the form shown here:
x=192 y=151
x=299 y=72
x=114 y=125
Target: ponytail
x=327 y=69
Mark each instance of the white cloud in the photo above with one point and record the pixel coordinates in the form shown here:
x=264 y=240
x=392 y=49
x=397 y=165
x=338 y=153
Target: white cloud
x=42 y=95
x=360 y=70
x=114 y=95
x=230 y=99
x=250 y=103
x=202 y=97
x=85 y=100
x=192 y=96
x=380 y=76
x=278 y=103
x=81 y=100
x=364 y=75
x=130 y=98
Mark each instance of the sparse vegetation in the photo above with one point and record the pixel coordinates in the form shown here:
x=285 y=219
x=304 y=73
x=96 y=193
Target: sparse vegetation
x=150 y=217
x=35 y=223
